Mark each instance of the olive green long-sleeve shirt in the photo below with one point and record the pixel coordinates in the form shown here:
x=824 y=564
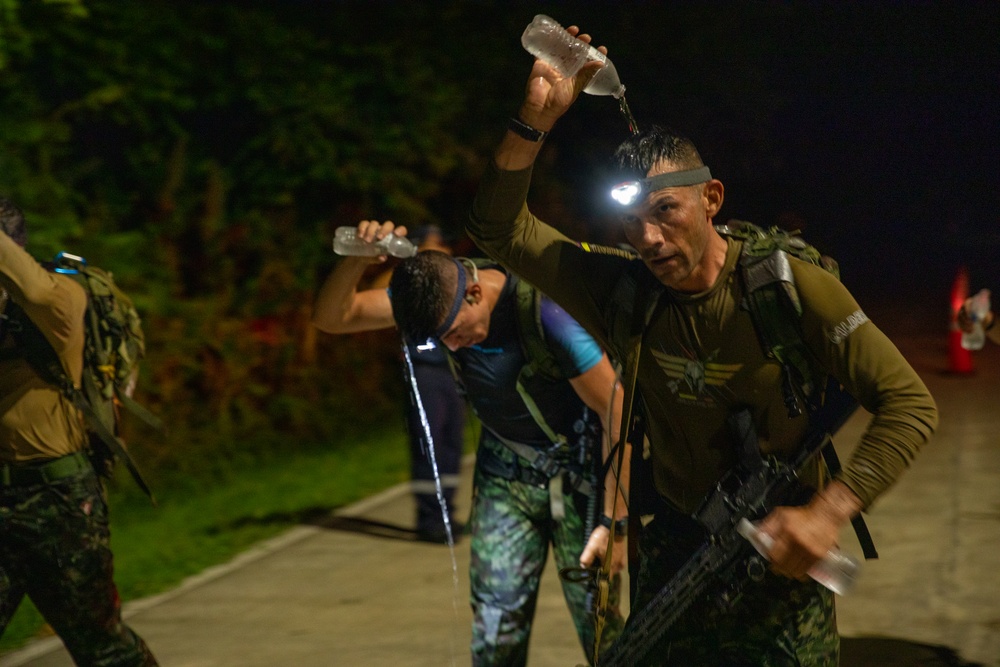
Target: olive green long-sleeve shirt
x=36 y=420
x=701 y=357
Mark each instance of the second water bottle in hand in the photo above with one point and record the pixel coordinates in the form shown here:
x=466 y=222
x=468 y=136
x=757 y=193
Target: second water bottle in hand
x=547 y=40
x=837 y=570
x=346 y=242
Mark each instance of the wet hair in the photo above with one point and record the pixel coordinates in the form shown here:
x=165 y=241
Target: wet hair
x=635 y=156
x=422 y=290
x=12 y=222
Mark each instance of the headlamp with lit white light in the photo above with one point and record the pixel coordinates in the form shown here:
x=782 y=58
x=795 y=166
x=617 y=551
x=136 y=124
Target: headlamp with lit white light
x=631 y=192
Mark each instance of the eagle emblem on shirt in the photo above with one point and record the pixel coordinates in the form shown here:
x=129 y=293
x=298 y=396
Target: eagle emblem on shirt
x=696 y=380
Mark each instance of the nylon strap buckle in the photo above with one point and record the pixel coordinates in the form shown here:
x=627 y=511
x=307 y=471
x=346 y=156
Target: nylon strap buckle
x=546 y=465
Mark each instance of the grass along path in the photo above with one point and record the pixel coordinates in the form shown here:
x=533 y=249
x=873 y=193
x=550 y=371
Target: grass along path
x=207 y=523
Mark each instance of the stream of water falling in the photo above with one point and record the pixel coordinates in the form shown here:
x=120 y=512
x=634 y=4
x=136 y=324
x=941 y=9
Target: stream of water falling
x=633 y=127
x=411 y=376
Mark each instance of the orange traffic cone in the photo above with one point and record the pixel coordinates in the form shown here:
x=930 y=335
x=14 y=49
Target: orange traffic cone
x=960 y=359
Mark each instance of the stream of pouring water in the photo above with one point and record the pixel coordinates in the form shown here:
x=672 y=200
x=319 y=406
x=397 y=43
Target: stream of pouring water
x=437 y=481
x=633 y=127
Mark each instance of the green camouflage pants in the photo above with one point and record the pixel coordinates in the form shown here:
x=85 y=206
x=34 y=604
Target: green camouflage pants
x=54 y=548
x=778 y=622
x=512 y=528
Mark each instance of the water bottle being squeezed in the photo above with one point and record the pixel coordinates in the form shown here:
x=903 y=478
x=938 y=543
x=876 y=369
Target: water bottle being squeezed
x=836 y=570
x=548 y=41
x=346 y=242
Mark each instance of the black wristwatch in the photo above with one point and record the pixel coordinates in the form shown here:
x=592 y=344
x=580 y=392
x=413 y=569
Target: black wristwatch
x=525 y=131
x=621 y=525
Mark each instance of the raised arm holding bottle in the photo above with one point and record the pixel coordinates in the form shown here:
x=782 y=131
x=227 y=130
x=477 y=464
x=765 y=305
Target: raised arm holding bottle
x=546 y=396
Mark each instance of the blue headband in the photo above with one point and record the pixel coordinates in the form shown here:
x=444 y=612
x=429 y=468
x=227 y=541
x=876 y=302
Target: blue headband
x=456 y=305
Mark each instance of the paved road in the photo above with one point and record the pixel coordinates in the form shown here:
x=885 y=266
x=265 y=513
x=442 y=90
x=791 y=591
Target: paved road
x=357 y=590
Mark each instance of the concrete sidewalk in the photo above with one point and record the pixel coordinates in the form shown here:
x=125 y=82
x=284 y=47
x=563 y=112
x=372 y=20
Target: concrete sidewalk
x=358 y=591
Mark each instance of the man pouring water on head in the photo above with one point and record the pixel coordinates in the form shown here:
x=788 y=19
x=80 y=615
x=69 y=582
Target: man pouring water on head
x=691 y=356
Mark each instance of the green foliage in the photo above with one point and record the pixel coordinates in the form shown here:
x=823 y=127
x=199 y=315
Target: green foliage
x=203 y=152
x=13 y=36
x=231 y=389
x=198 y=116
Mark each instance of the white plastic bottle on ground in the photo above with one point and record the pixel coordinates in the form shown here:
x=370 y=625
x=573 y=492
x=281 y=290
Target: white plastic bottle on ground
x=346 y=242
x=837 y=570
x=547 y=40
x=980 y=305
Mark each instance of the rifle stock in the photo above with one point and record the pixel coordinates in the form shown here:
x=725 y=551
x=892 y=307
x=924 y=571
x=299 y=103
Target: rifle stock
x=722 y=566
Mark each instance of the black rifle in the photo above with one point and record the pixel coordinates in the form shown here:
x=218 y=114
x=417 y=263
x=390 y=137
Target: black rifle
x=720 y=569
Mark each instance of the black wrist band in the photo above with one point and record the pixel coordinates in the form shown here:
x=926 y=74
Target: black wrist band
x=524 y=130
x=621 y=525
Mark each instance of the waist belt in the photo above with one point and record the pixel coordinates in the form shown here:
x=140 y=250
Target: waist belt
x=544 y=463
x=26 y=474
x=547 y=470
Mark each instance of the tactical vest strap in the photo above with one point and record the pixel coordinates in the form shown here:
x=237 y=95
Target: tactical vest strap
x=529 y=319
x=113 y=442
x=832 y=462
x=539 y=360
x=770 y=298
x=630 y=311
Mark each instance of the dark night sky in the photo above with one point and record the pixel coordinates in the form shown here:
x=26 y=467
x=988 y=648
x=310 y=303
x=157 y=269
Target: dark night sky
x=877 y=123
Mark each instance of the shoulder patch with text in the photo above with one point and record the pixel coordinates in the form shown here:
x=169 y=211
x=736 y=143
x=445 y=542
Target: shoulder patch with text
x=845 y=328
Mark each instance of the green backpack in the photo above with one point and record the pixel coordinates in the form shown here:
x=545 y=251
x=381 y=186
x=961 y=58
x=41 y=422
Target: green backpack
x=114 y=343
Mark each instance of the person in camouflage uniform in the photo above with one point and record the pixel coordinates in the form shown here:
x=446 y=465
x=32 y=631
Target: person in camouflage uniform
x=675 y=314
x=520 y=506
x=54 y=535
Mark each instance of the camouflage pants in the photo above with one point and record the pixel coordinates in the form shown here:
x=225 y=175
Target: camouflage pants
x=512 y=528
x=778 y=622
x=54 y=548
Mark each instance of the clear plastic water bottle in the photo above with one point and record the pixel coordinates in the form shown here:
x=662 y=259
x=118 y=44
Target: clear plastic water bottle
x=547 y=40
x=346 y=242
x=978 y=307
x=837 y=571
